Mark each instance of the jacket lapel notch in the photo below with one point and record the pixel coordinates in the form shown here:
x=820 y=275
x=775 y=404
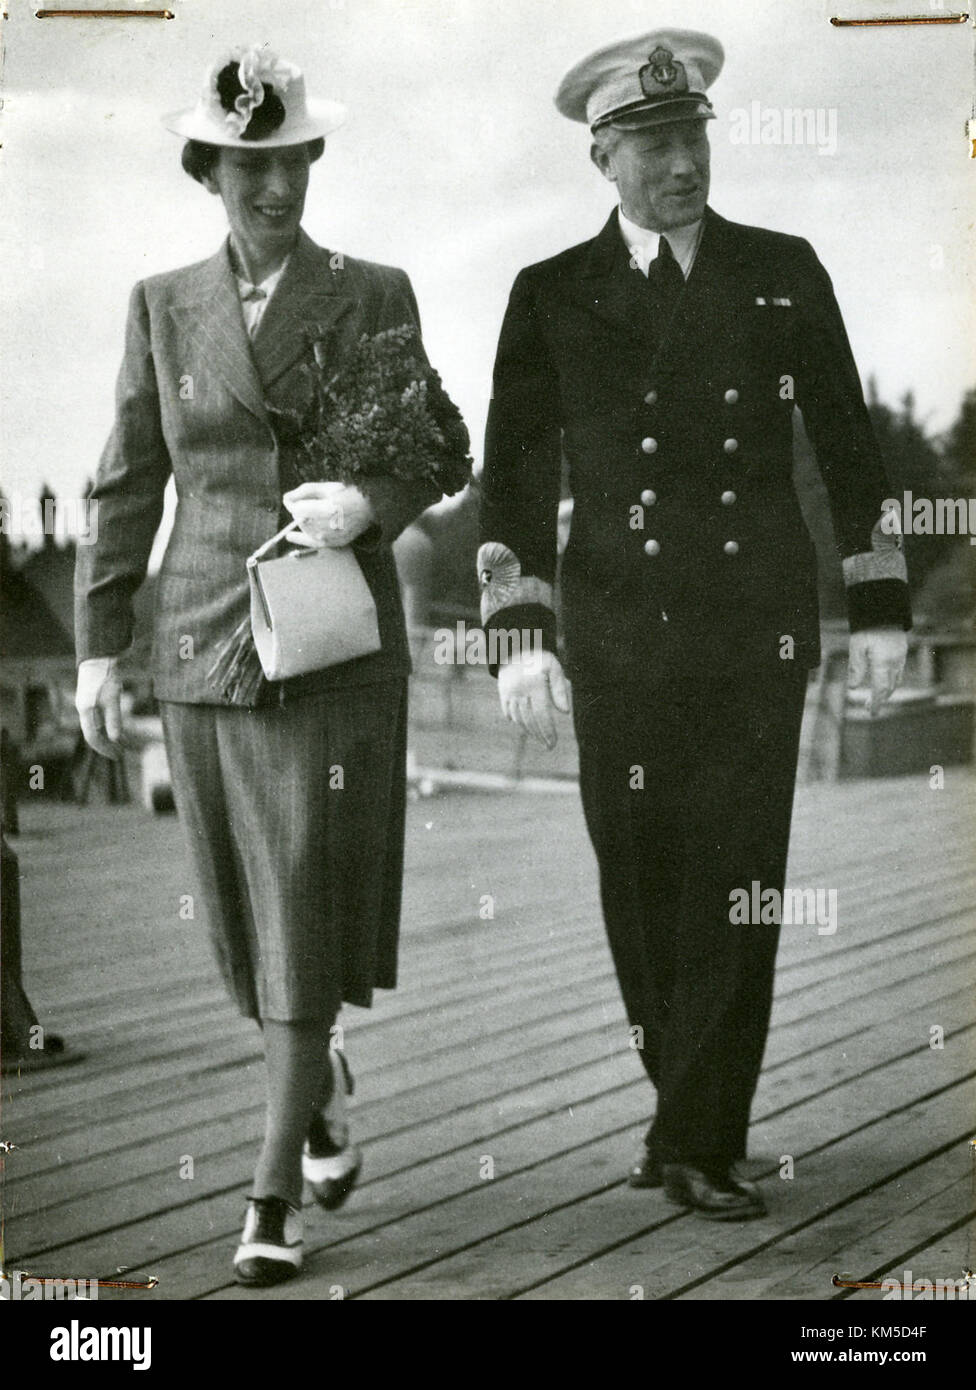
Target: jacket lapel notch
x=305 y=309
x=703 y=308
x=615 y=290
x=215 y=320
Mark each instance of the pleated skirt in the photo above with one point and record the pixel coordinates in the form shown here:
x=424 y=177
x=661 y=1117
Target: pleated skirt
x=294 y=817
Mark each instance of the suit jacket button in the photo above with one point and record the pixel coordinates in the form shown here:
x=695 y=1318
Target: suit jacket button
x=652 y=547
x=648 y=497
x=728 y=498
x=730 y=446
x=651 y=398
x=649 y=445
x=731 y=396
x=731 y=547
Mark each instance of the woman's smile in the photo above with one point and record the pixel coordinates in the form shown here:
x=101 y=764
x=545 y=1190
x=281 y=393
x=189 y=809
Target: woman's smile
x=263 y=192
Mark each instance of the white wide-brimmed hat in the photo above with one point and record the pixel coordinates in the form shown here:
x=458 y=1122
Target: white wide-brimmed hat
x=253 y=99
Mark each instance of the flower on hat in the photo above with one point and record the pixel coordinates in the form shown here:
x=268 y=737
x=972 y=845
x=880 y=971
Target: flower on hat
x=243 y=81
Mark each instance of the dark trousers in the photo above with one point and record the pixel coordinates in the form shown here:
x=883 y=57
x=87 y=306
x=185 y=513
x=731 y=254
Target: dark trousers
x=687 y=793
x=16 y=1015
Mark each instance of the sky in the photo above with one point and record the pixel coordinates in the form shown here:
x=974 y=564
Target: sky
x=455 y=165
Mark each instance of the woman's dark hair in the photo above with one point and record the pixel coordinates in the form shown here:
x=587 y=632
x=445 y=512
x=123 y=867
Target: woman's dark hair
x=200 y=159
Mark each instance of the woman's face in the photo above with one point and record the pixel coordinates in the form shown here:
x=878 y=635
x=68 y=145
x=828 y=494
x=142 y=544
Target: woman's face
x=263 y=192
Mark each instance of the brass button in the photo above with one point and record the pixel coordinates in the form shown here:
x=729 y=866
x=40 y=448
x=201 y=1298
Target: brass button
x=731 y=547
x=652 y=547
x=649 y=445
x=731 y=396
x=648 y=497
x=728 y=498
x=651 y=398
x=730 y=446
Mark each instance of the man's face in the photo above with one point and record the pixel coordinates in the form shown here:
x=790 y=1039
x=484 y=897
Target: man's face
x=263 y=192
x=661 y=173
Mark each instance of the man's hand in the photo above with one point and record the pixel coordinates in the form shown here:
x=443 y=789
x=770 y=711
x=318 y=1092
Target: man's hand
x=330 y=513
x=99 y=705
x=530 y=686
x=877 y=657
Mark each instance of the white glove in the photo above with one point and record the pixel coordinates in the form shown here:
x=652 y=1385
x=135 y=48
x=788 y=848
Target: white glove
x=530 y=686
x=329 y=513
x=99 y=705
x=877 y=657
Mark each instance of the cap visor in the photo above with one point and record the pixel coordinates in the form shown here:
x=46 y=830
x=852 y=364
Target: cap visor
x=659 y=113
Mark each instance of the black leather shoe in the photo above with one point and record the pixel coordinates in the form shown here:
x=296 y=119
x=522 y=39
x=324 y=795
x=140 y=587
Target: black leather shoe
x=717 y=1196
x=646 y=1172
x=271 y=1246
x=55 y=1053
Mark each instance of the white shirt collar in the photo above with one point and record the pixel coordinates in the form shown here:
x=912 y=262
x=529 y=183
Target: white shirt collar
x=268 y=285
x=255 y=298
x=643 y=244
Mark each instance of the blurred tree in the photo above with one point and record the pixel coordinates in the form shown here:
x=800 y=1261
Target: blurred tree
x=941 y=569
x=959 y=449
x=948 y=591
x=914 y=464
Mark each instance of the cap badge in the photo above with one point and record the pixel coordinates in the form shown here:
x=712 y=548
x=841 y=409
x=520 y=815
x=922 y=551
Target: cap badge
x=662 y=70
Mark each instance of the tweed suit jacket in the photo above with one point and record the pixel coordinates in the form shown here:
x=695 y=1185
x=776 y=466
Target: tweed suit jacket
x=192 y=403
x=676 y=427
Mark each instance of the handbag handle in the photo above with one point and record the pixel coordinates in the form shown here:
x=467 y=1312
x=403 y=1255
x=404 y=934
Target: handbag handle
x=263 y=549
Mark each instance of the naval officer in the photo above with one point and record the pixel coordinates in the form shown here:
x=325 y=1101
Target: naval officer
x=661 y=363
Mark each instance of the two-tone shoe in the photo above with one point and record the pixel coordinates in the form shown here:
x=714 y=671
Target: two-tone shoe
x=330 y=1161
x=271 y=1245
x=331 y=1177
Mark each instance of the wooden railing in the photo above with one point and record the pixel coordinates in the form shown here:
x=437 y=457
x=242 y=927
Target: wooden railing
x=456 y=724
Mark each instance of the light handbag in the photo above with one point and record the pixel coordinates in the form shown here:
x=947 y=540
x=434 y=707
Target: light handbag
x=310 y=608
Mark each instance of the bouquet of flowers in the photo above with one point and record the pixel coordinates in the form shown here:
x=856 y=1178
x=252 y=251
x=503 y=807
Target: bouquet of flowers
x=385 y=413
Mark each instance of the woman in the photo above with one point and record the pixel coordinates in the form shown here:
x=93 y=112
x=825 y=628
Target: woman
x=294 y=802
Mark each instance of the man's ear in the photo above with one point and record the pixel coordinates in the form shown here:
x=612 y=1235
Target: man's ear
x=603 y=161
x=210 y=183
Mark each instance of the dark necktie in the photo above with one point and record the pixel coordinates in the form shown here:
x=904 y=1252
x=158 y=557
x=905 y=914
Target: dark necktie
x=665 y=274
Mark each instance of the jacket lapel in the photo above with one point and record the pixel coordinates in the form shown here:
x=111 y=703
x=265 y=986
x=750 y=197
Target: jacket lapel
x=210 y=313
x=706 y=312
x=306 y=308
x=613 y=290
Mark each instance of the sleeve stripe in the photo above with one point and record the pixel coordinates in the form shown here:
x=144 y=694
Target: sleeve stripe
x=875 y=564
x=502 y=583
x=885 y=559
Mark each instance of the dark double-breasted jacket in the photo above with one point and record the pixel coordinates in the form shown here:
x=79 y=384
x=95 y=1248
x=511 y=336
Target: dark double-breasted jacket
x=192 y=402
x=675 y=423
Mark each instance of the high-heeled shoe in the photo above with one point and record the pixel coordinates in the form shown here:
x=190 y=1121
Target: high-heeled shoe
x=330 y=1162
x=271 y=1245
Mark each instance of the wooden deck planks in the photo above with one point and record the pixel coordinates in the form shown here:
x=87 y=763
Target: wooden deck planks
x=510 y=1043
